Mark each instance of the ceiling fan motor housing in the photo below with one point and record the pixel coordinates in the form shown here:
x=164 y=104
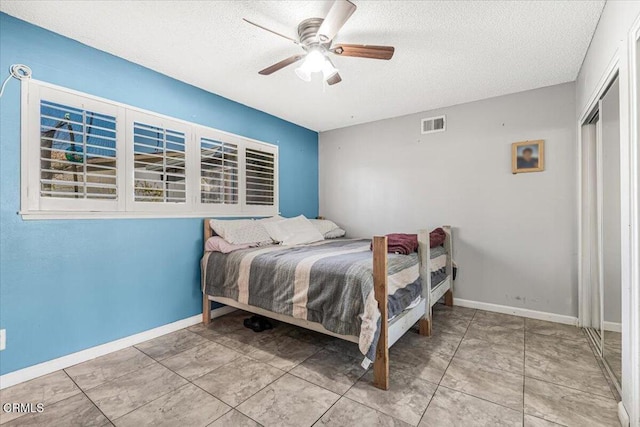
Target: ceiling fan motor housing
x=307 y=32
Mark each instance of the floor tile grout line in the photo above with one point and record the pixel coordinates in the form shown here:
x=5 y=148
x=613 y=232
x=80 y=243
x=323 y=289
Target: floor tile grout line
x=151 y=362
x=378 y=410
x=320 y=348
x=232 y=407
x=468 y=394
x=197 y=386
x=449 y=364
x=210 y=371
x=159 y=362
x=23 y=414
x=151 y=401
x=570 y=388
x=323 y=387
x=87 y=396
x=168 y=357
x=528 y=331
x=328 y=409
x=249 y=397
x=281 y=376
x=284 y=372
x=479 y=398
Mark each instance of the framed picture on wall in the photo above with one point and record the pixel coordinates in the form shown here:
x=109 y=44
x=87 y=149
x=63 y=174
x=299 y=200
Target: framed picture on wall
x=527 y=156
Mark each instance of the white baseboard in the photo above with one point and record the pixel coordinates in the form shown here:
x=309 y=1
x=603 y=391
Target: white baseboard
x=612 y=326
x=44 y=368
x=524 y=312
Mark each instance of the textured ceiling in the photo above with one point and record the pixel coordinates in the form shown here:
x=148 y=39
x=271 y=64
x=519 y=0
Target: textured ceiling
x=447 y=52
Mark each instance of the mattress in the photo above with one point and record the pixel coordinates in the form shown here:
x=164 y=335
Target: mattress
x=438 y=265
x=329 y=282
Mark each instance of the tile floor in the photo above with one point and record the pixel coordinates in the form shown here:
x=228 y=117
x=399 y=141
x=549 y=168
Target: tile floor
x=478 y=368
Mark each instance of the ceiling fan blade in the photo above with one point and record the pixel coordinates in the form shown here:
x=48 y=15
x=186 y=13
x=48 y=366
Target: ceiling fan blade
x=334 y=79
x=277 y=66
x=271 y=31
x=364 y=51
x=335 y=19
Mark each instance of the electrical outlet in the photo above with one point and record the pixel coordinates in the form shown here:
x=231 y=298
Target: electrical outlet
x=3 y=339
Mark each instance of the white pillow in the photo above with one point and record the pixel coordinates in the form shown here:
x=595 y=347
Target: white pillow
x=324 y=226
x=272 y=218
x=334 y=234
x=224 y=226
x=293 y=231
x=241 y=231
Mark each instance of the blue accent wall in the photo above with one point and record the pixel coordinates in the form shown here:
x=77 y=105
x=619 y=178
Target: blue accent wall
x=67 y=285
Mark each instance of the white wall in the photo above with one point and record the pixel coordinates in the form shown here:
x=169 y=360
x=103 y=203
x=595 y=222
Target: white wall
x=610 y=45
x=608 y=41
x=515 y=235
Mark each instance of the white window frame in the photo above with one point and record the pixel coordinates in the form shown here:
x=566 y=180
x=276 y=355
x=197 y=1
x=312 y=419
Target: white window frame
x=213 y=134
x=164 y=123
x=256 y=209
x=31 y=167
x=35 y=207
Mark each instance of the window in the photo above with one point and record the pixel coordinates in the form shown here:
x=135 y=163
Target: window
x=160 y=168
x=260 y=169
x=77 y=153
x=89 y=157
x=218 y=172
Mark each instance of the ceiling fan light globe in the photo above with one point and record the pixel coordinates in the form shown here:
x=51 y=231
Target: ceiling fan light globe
x=328 y=70
x=314 y=61
x=303 y=73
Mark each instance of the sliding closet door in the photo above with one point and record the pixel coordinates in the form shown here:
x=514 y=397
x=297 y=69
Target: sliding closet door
x=610 y=227
x=592 y=319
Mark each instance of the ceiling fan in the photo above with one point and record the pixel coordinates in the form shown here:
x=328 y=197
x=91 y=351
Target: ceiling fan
x=315 y=36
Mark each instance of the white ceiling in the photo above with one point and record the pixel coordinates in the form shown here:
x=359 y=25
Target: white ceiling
x=447 y=52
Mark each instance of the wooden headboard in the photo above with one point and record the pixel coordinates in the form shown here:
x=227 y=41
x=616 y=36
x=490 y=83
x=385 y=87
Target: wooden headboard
x=208 y=232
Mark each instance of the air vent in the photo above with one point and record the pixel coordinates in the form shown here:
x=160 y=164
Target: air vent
x=434 y=124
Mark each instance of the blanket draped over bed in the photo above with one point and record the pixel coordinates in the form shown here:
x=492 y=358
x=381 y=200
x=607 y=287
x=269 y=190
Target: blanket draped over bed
x=330 y=282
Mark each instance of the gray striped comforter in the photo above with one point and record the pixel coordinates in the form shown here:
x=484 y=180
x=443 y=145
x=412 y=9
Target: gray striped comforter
x=330 y=282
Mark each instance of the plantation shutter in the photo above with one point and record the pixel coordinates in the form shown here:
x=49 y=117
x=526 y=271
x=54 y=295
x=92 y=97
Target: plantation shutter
x=74 y=153
x=158 y=162
x=88 y=157
x=218 y=172
x=77 y=153
x=260 y=170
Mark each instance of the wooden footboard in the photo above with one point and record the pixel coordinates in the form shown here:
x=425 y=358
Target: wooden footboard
x=381 y=364
x=424 y=254
x=206 y=304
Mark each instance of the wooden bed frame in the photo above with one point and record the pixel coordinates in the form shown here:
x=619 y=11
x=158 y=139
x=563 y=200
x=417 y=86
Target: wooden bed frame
x=390 y=331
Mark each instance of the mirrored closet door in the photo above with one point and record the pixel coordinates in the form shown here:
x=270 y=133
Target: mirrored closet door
x=609 y=150
x=601 y=209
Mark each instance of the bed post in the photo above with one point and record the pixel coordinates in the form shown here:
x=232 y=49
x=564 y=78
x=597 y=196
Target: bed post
x=206 y=304
x=424 y=249
x=381 y=364
x=448 y=246
x=206 y=309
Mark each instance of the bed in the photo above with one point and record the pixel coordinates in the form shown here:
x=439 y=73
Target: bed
x=342 y=287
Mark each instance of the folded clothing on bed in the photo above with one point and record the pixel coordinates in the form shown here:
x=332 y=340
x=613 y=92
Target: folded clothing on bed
x=401 y=243
x=437 y=237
